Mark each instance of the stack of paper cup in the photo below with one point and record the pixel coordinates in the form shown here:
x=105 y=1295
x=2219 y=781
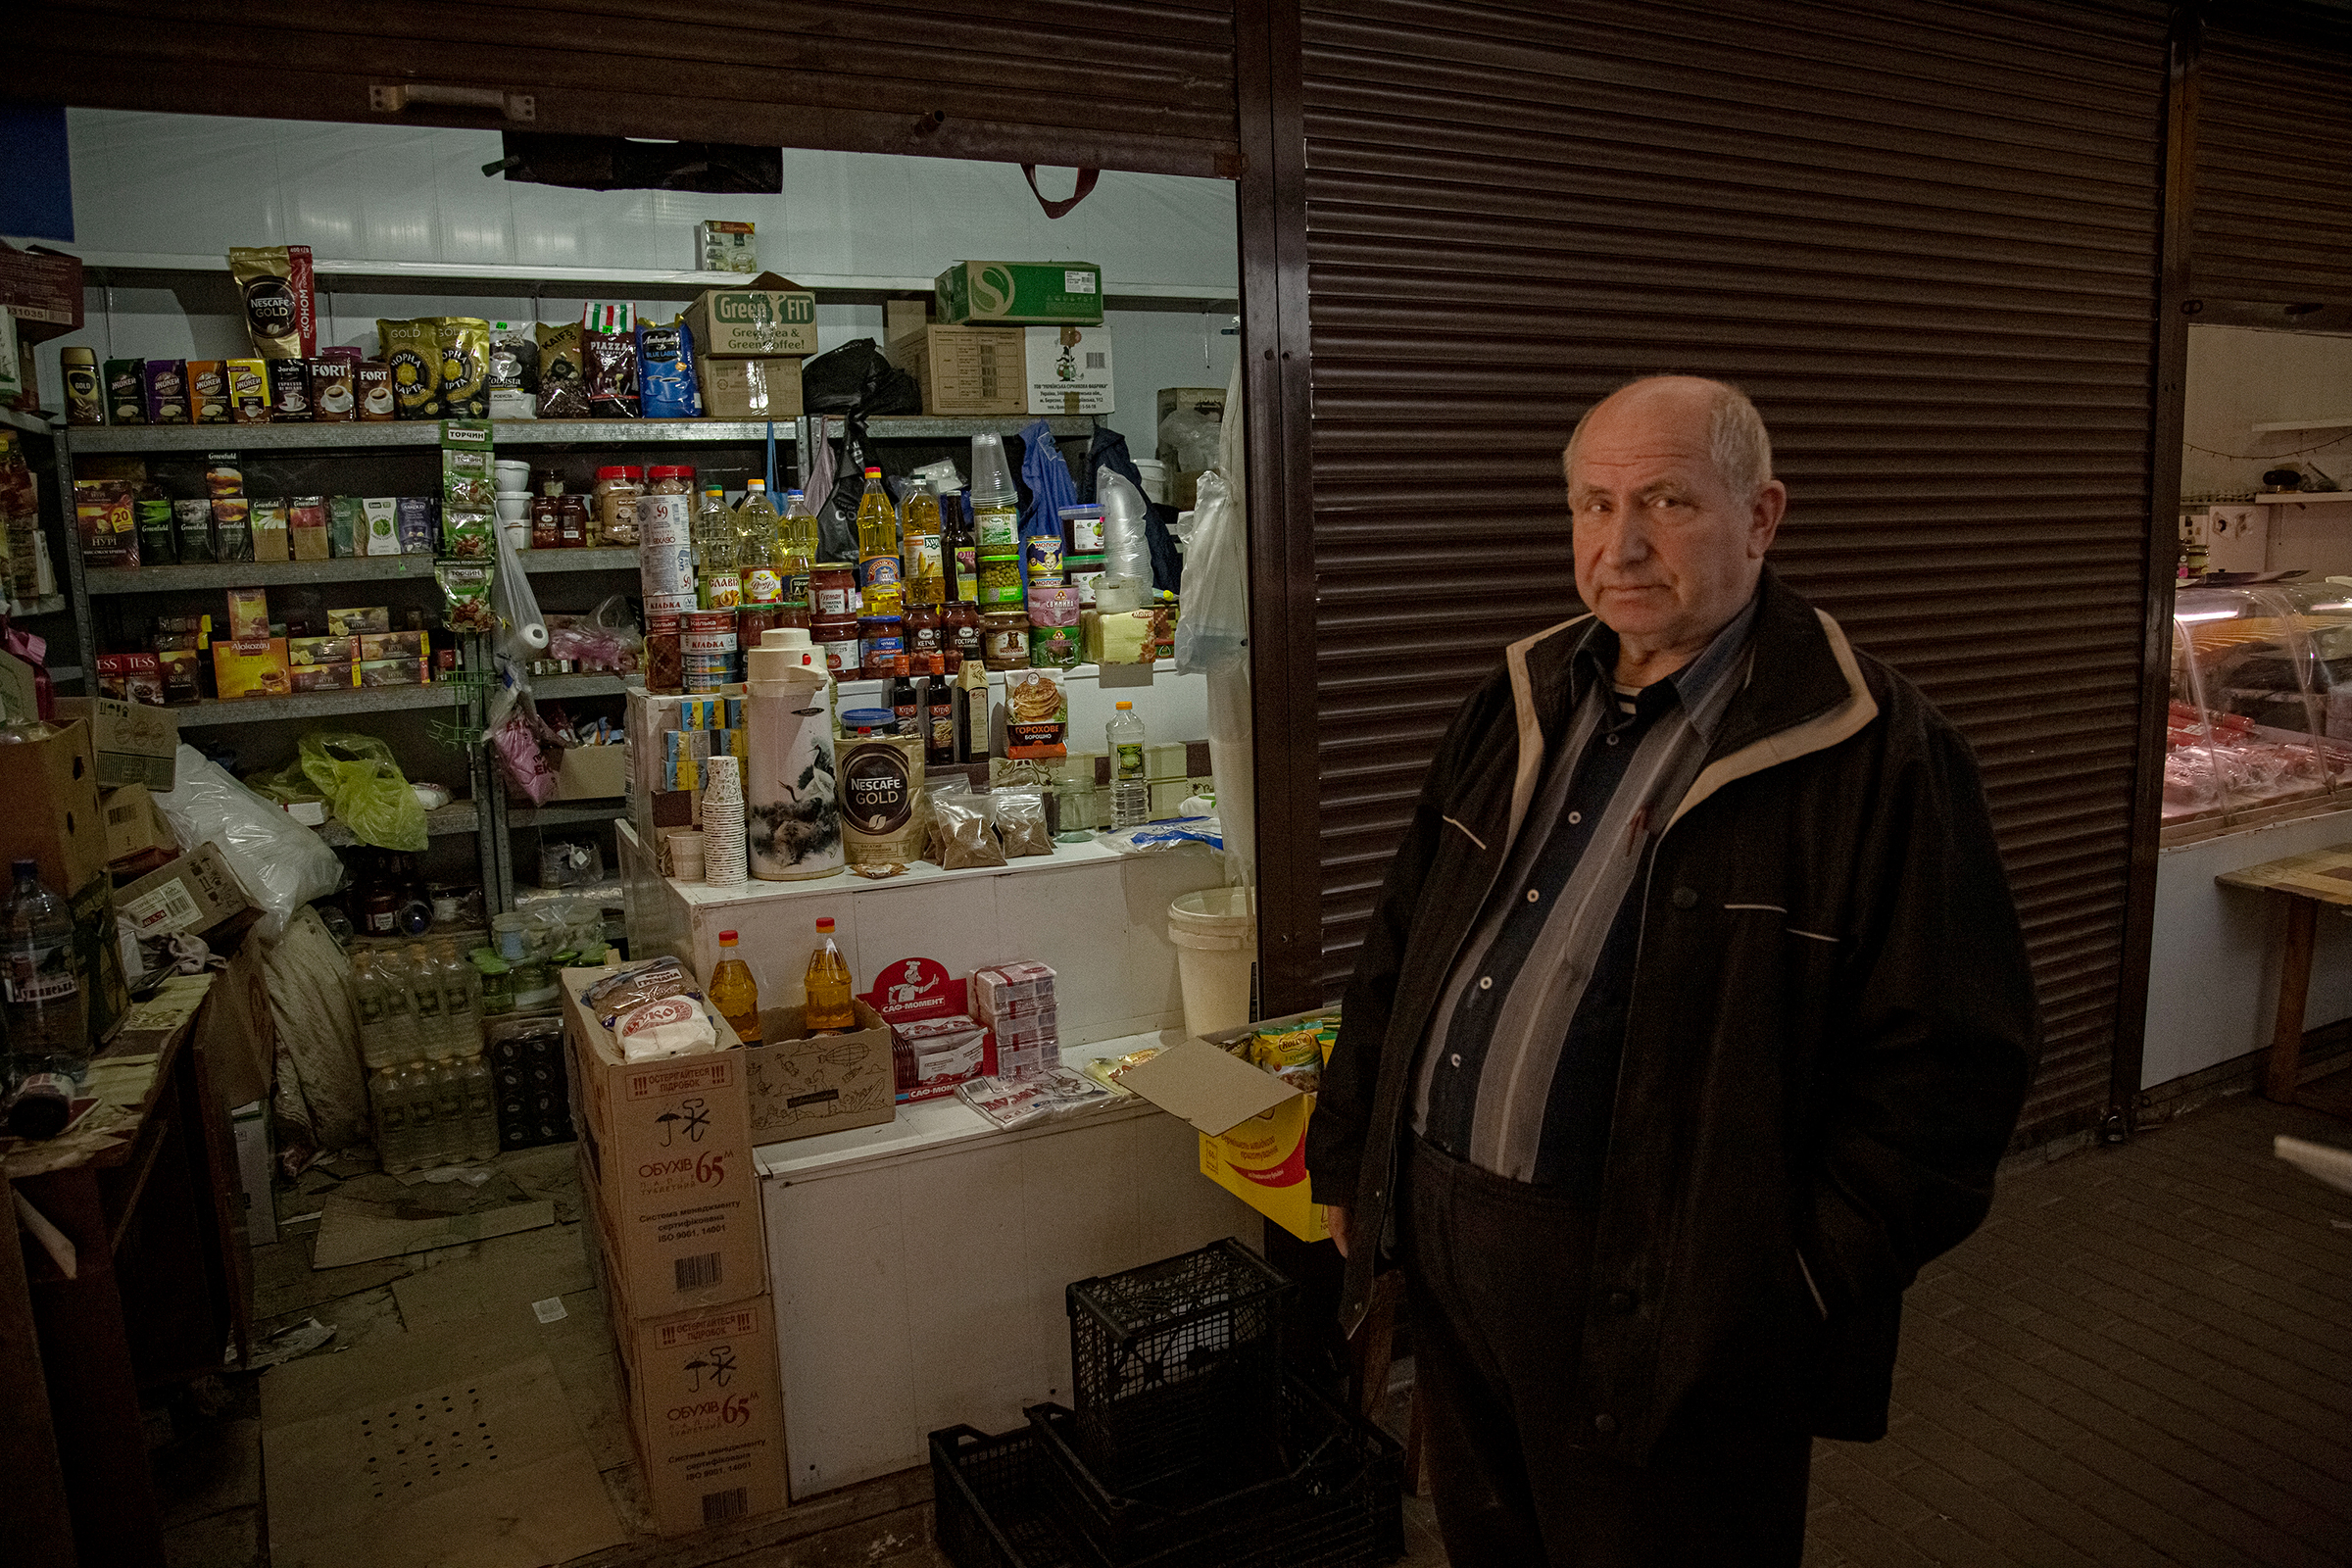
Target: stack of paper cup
x=723 y=847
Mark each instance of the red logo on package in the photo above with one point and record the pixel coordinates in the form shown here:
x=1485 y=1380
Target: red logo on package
x=911 y=989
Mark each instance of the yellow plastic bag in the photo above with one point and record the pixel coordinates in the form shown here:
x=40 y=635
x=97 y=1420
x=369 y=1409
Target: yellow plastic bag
x=367 y=789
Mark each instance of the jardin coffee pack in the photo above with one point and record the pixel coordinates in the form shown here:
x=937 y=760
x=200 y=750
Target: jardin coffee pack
x=273 y=282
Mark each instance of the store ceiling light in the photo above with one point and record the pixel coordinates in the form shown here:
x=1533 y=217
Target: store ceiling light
x=2204 y=614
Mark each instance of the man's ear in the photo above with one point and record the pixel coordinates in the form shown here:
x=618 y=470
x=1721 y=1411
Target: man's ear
x=1764 y=519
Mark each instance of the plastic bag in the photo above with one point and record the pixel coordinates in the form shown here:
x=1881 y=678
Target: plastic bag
x=287 y=785
x=1160 y=838
x=837 y=518
x=280 y=863
x=364 y=783
x=854 y=378
x=1214 y=630
x=526 y=764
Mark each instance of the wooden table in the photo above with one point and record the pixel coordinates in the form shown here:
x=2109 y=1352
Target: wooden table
x=2305 y=882
x=140 y=1186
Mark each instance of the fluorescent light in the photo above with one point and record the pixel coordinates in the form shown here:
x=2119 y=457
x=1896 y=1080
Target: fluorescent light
x=2204 y=614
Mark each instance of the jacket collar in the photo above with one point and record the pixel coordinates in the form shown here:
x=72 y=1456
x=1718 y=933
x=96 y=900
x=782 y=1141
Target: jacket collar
x=1812 y=695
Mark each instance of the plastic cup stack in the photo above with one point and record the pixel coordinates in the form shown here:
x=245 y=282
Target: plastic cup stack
x=725 y=862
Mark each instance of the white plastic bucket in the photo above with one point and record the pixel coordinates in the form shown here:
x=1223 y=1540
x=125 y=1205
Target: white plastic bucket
x=1215 y=934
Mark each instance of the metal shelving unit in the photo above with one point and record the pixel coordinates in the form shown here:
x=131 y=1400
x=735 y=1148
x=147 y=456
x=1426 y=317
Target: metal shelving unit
x=604 y=558
x=30 y=423
x=566 y=814
x=116 y=580
x=316 y=705
x=364 y=437
x=578 y=685
x=447 y=821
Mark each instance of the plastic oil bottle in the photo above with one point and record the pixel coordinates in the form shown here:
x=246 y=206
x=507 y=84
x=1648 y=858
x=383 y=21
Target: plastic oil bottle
x=926 y=574
x=996 y=504
x=881 y=574
x=717 y=585
x=1130 y=786
x=734 y=992
x=796 y=543
x=48 y=1021
x=756 y=546
x=828 y=985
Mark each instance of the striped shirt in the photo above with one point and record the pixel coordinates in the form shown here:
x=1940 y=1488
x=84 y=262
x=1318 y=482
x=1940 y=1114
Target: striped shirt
x=1518 y=1071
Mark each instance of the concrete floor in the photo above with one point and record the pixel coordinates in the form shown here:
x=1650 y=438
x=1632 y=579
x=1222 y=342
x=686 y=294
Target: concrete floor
x=2143 y=1358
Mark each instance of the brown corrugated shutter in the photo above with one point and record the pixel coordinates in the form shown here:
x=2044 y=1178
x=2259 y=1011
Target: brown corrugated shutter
x=1923 y=236
x=1113 y=84
x=2272 y=215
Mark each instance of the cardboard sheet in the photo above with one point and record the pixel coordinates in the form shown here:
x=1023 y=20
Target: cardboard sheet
x=454 y=1450
x=1213 y=1090
x=502 y=1283
x=352 y=1231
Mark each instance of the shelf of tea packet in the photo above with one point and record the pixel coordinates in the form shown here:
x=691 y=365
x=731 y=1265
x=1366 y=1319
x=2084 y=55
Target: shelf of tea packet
x=362 y=436
x=316 y=705
x=566 y=282
x=442 y=822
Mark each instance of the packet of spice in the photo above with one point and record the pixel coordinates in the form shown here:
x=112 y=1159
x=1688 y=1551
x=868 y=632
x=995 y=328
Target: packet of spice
x=608 y=350
x=466 y=590
x=563 y=374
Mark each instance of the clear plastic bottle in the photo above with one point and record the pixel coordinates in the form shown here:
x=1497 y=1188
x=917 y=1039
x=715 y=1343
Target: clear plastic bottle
x=926 y=575
x=1130 y=785
x=395 y=1142
x=461 y=1012
x=828 y=985
x=881 y=574
x=796 y=548
x=996 y=504
x=367 y=997
x=48 y=1017
x=734 y=992
x=481 y=1108
x=449 y=1111
x=400 y=1013
x=414 y=1084
x=717 y=584
x=756 y=546
x=424 y=1002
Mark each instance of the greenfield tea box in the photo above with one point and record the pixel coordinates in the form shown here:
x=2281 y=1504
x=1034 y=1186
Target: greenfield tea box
x=767 y=319
x=1019 y=294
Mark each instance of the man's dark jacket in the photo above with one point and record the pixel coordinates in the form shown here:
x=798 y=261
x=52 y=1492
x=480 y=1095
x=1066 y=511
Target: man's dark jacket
x=1829 y=1038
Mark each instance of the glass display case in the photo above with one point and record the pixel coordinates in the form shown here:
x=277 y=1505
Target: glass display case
x=2261 y=721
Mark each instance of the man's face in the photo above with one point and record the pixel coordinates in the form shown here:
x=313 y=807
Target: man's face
x=1665 y=553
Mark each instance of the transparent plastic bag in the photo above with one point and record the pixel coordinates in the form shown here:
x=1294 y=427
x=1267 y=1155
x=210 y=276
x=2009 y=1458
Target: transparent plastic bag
x=280 y=863
x=362 y=781
x=1215 y=627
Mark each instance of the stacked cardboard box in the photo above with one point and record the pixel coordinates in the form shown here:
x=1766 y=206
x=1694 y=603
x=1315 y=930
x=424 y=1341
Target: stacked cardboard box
x=54 y=818
x=666 y=1160
x=1016 y=1002
x=669 y=738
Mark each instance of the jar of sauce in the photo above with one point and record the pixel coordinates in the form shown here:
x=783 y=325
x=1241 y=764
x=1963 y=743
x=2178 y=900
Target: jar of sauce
x=1004 y=640
x=881 y=639
x=832 y=591
x=547 y=530
x=614 y=520
x=923 y=633
x=572 y=522
x=837 y=636
x=752 y=621
x=959 y=631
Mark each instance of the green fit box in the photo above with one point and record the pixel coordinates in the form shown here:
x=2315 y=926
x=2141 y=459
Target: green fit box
x=1019 y=294
x=768 y=319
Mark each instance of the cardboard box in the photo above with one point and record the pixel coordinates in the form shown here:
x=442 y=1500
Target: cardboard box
x=668 y=1147
x=1068 y=369
x=302 y=651
x=707 y=1412
x=1019 y=293
x=54 y=817
x=252 y=668
x=358 y=620
x=967 y=370
x=593 y=773
x=766 y=319
x=194 y=893
x=137 y=743
x=42 y=290
x=800 y=1088
x=749 y=390
x=135 y=825
x=1253 y=1125
x=903 y=319
x=235 y=1030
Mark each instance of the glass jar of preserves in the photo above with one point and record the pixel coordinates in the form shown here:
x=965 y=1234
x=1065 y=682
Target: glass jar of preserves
x=572 y=522
x=959 y=631
x=924 y=629
x=547 y=530
x=1000 y=581
x=1004 y=640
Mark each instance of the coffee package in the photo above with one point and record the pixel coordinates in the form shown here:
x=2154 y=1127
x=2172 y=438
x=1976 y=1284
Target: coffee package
x=464 y=343
x=372 y=389
x=208 y=391
x=562 y=374
x=514 y=378
x=281 y=307
x=335 y=391
x=412 y=349
x=609 y=351
x=665 y=379
x=290 y=392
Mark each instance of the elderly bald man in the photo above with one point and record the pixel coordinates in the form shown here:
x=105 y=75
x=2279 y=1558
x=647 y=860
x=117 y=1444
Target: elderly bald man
x=1694 y=1019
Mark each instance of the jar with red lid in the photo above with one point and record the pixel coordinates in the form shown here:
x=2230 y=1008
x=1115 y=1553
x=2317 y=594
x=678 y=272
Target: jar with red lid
x=837 y=636
x=754 y=621
x=614 y=519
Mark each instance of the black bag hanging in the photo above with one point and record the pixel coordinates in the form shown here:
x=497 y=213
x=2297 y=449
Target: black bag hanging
x=854 y=378
x=837 y=514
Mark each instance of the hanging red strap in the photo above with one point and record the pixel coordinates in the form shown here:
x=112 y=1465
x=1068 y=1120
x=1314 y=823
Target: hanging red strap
x=1086 y=184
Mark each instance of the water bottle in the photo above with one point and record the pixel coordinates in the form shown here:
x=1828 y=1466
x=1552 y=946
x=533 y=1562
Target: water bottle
x=48 y=1021
x=481 y=1108
x=424 y=1003
x=1130 y=788
x=395 y=1146
x=377 y=1048
x=399 y=1017
x=416 y=1092
x=449 y=1111
x=460 y=1014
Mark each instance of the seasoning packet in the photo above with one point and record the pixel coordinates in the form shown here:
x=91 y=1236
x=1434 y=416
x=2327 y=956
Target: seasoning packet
x=961 y=836
x=464 y=344
x=1021 y=823
x=465 y=591
x=412 y=349
x=281 y=307
x=665 y=379
x=608 y=350
x=563 y=372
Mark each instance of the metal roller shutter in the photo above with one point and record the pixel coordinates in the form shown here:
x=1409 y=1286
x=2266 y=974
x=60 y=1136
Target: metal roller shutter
x=1923 y=236
x=1113 y=84
x=2274 y=172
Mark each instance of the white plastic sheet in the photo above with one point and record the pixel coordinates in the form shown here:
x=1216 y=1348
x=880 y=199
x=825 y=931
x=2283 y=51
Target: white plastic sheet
x=280 y=863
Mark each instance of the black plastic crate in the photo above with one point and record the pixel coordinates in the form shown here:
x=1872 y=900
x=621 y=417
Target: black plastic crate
x=1173 y=1358
x=1314 y=1484
x=991 y=1496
